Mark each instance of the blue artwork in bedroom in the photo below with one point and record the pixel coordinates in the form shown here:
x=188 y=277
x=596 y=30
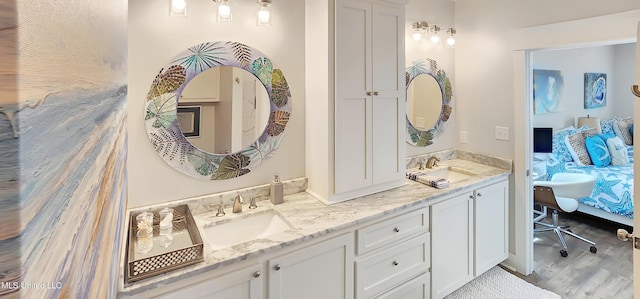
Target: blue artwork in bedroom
x=547 y=86
x=595 y=90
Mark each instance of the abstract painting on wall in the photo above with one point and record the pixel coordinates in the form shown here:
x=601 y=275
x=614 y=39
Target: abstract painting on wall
x=595 y=90
x=547 y=86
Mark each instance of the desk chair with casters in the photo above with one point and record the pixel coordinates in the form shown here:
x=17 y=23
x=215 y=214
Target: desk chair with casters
x=561 y=193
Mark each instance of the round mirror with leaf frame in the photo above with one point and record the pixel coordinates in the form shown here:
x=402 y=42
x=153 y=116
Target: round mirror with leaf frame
x=429 y=97
x=162 y=110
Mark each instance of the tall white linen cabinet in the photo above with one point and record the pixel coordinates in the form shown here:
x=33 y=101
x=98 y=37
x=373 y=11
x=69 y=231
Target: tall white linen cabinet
x=355 y=97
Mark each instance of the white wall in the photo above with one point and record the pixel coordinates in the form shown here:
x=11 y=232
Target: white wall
x=624 y=55
x=573 y=63
x=441 y=13
x=154 y=39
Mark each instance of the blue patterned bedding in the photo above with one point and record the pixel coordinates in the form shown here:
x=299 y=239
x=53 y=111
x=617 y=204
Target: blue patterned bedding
x=613 y=192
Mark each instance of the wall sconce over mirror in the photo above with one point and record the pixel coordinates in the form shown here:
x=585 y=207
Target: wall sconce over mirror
x=422 y=29
x=224 y=11
x=178 y=8
x=263 y=16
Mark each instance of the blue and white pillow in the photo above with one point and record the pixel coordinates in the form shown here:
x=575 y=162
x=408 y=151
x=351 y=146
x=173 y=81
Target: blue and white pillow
x=607 y=125
x=598 y=151
x=560 y=150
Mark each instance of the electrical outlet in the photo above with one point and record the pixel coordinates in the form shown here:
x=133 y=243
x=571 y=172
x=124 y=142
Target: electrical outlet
x=464 y=138
x=502 y=133
x=420 y=122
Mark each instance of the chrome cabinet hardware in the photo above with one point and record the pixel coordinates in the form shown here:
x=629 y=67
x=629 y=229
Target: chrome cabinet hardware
x=277 y=267
x=256 y=274
x=395 y=263
x=396 y=229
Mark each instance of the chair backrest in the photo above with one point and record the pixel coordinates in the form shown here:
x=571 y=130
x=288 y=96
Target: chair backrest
x=545 y=196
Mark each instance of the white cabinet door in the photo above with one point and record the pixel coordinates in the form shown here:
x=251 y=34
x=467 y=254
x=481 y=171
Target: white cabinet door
x=246 y=283
x=491 y=226
x=370 y=111
x=323 y=270
x=353 y=132
x=389 y=94
x=451 y=244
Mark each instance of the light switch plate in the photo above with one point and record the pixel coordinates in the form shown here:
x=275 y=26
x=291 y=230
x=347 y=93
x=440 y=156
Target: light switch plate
x=502 y=133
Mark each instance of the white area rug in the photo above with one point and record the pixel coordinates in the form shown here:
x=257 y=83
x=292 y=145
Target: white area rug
x=497 y=283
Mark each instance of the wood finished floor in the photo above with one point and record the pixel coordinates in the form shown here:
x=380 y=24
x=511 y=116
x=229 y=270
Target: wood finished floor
x=606 y=274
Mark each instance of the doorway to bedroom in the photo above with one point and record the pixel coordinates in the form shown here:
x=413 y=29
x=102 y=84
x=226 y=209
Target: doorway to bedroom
x=578 y=94
x=572 y=86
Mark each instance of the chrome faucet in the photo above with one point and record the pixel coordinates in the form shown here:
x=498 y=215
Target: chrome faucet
x=432 y=162
x=237 y=204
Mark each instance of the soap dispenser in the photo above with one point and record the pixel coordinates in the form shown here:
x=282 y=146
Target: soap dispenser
x=277 y=191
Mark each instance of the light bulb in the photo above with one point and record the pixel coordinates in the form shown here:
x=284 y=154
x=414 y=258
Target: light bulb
x=435 y=38
x=417 y=36
x=264 y=16
x=451 y=41
x=178 y=6
x=224 y=11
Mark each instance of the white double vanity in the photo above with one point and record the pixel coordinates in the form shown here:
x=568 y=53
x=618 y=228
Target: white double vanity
x=414 y=241
x=355 y=227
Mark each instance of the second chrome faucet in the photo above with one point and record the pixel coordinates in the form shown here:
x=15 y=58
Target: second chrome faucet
x=237 y=203
x=432 y=162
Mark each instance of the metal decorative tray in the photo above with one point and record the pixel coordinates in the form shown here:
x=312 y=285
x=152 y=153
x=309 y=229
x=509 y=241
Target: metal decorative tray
x=185 y=248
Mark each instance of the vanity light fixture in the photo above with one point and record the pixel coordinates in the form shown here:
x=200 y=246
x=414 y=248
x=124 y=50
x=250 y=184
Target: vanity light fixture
x=451 y=41
x=435 y=38
x=263 y=16
x=224 y=11
x=419 y=30
x=178 y=8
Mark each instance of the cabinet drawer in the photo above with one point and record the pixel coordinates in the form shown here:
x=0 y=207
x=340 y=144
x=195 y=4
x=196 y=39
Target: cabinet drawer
x=392 y=230
x=383 y=270
x=416 y=288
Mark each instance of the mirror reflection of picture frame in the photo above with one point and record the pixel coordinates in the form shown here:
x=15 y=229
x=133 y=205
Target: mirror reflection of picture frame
x=189 y=121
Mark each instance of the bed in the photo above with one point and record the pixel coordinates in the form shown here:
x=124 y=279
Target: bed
x=612 y=196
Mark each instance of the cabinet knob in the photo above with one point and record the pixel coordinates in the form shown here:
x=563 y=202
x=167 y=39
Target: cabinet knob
x=471 y=196
x=396 y=229
x=375 y=93
x=479 y=194
x=369 y=93
x=395 y=263
x=256 y=274
x=277 y=267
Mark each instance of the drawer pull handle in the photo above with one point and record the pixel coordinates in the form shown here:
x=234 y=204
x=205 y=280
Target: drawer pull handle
x=395 y=263
x=396 y=229
x=276 y=267
x=256 y=274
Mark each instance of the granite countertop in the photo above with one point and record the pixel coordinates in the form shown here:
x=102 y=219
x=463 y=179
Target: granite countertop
x=311 y=218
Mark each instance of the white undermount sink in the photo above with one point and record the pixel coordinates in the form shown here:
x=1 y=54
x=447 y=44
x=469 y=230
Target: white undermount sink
x=227 y=233
x=450 y=173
